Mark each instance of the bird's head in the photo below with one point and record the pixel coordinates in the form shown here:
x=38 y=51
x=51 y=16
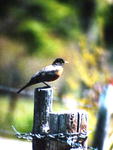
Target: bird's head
x=59 y=61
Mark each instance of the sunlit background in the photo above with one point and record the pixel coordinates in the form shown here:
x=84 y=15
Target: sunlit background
x=34 y=33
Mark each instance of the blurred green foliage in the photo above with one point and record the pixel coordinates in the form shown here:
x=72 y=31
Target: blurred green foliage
x=49 y=29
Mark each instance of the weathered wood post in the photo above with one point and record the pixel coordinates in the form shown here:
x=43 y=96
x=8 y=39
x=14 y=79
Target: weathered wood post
x=42 y=106
x=69 y=123
x=65 y=129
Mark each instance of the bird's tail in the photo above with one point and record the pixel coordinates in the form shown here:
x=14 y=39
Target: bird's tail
x=28 y=84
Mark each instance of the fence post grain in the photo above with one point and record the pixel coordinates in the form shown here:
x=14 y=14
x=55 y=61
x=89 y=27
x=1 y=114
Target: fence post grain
x=70 y=123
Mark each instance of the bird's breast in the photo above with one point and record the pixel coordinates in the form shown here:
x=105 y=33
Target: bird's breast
x=59 y=72
x=53 y=74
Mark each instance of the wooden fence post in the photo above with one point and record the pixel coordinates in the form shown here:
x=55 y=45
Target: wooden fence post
x=42 y=106
x=47 y=122
x=72 y=122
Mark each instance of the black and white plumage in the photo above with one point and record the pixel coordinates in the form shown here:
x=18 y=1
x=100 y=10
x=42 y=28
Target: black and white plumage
x=47 y=74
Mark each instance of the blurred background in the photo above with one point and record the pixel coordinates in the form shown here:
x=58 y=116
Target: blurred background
x=34 y=33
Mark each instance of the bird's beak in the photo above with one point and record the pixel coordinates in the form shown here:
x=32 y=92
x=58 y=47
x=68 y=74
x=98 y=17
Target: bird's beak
x=66 y=62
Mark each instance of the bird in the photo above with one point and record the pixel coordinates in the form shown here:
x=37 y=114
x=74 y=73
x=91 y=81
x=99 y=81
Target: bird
x=46 y=74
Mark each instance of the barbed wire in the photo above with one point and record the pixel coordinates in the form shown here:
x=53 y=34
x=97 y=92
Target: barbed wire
x=4 y=90
x=10 y=90
x=73 y=140
x=29 y=94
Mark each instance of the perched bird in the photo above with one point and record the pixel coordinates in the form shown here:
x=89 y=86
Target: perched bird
x=47 y=74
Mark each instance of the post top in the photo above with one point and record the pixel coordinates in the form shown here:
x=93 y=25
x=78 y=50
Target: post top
x=44 y=88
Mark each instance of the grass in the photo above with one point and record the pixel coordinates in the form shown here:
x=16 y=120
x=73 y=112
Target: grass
x=22 y=115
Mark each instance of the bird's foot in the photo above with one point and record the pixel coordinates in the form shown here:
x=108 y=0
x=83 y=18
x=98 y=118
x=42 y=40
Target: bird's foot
x=47 y=84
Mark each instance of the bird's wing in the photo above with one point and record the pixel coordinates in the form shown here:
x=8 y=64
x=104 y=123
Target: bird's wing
x=46 y=70
x=48 y=73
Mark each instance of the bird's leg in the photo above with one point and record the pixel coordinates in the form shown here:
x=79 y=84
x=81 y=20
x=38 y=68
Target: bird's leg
x=46 y=84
